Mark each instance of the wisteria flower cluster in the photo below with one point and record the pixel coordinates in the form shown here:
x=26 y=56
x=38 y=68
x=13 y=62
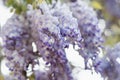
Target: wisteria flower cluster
x=51 y=28
x=91 y=32
x=109 y=65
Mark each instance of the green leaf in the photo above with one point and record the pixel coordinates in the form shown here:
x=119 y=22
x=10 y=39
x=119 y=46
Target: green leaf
x=96 y=5
x=23 y=7
x=49 y=1
x=1 y=77
x=9 y=2
x=29 y=1
x=32 y=77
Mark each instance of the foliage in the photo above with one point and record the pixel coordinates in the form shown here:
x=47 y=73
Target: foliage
x=20 y=6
